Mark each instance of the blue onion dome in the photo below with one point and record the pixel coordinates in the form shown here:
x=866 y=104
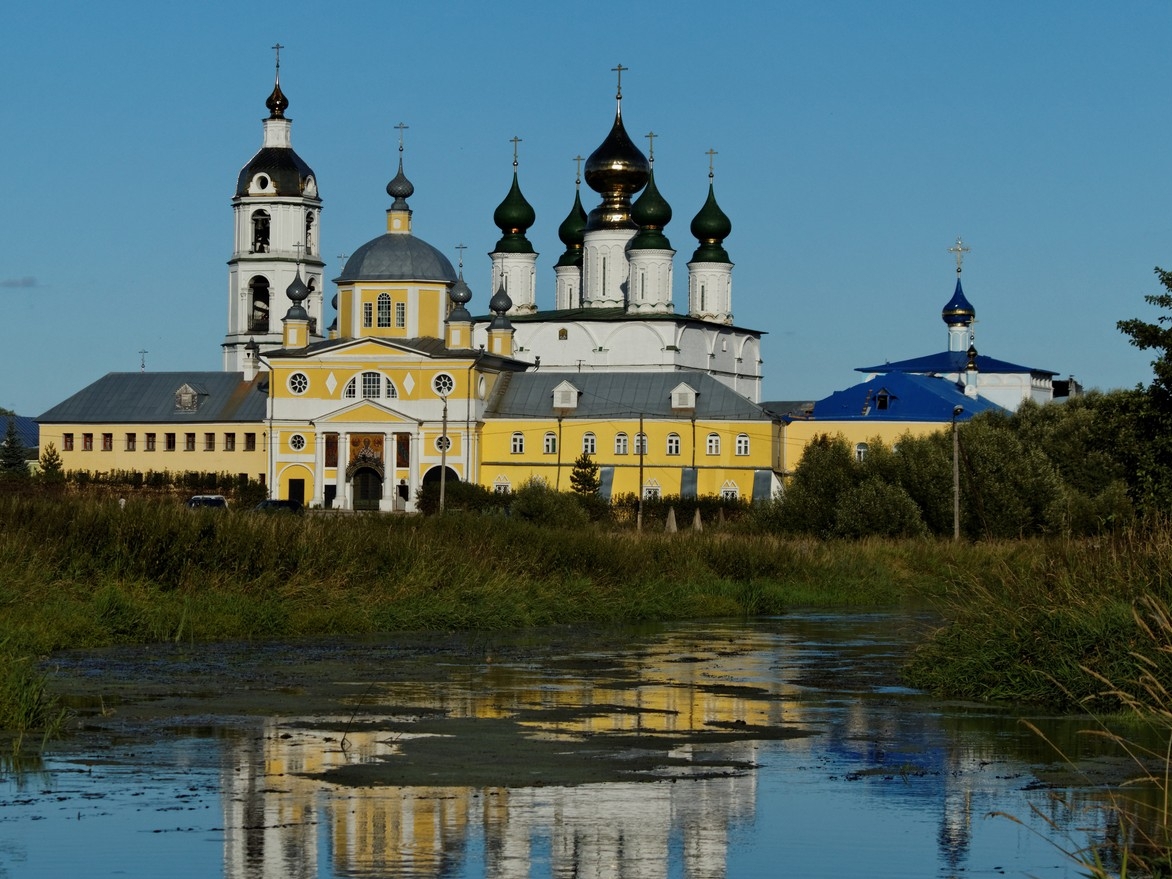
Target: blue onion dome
x=513 y=217
x=400 y=189
x=499 y=304
x=652 y=212
x=572 y=232
x=297 y=293
x=958 y=311
x=710 y=227
x=616 y=171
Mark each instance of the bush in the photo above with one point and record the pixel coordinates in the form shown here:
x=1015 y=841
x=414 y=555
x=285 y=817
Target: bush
x=880 y=509
x=536 y=502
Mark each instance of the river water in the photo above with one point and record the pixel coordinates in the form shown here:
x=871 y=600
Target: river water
x=780 y=746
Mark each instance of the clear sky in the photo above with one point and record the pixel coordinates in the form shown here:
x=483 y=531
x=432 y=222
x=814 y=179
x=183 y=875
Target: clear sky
x=855 y=141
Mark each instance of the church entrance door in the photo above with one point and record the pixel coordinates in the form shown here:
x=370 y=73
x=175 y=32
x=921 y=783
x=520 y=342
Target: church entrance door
x=368 y=489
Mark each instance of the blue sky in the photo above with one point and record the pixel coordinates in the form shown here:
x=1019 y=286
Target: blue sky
x=855 y=141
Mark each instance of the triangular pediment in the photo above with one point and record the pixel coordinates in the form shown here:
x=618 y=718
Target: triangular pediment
x=683 y=396
x=364 y=410
x=565 y=396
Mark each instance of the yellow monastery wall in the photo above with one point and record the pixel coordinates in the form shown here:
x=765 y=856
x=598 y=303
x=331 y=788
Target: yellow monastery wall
x=796 y=435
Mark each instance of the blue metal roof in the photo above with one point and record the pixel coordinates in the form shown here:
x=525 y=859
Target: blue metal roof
x=953 y=361
x=901 y=396
x=26 y=429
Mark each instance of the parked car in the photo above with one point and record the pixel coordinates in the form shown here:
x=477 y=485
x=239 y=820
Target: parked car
x=215 y=501
x=272 y=505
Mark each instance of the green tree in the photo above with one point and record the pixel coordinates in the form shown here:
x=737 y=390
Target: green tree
x=584 y=477
x=12 y=454
x=52 y=469
x=826 y=471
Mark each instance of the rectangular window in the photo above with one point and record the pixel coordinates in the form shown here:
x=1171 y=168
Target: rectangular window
x=714 y=444
x=131 y=442
x=742 y=444
x=229 y=442
x=189 y=442
x=589 y=444
x=620 y=444
x=640 y=444
x=384 y=310
x=367 y=314
x=150 y=442
x=728 y=494
x=372 y=385
x=331 y=450
x=250 y=442
x=673 y=443
x=168 y=442
x=400 y=314
x=551 y=444
x=518 y=444
x=107 y=442
x=501 y=488
x=87 y=442
x=67 y=442
x=209 y=442
x=650 y=492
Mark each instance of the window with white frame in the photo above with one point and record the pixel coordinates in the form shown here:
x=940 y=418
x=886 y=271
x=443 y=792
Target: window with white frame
x=517 y=445
x=673 y=443
x=298 y=383
x=384 y=309
x=620 y=444
x=501 y=486
x=550 y=445
x=742 y=444
x=860 y=452
x=651 y=491
x=351 y=390
x=367 y=314
x=297 y=442
x=400 y=314
x=372 y=385
x=589 y=443
x=714 y=443
x=729 y=492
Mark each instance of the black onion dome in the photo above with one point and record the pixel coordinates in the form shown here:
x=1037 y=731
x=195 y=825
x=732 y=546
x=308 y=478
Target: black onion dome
x=499 y=304
x=652 y=212
x=400 y=189
x=297 y=293
x=513 y=217
x=616 y=171
x=460 y=295
x=397 y=257
x=277 y=102
x=572 y=232
x=710 y=227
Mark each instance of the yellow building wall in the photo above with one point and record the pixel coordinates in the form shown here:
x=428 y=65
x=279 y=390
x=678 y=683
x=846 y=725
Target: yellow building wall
x=425 y=309
x=715 y=472
x=110 y=448
x=353 y=365
x=796 y=435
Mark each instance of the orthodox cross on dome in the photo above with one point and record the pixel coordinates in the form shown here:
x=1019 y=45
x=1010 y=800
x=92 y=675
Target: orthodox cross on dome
x=711 y=155
x=299 y=248
x=461 y=248
x=619 y=70
x=578 y=175
x=651 y=135
x=402 y=127
x=142 y=353
x=277 y=48
x=515 y=140
x=959 y=250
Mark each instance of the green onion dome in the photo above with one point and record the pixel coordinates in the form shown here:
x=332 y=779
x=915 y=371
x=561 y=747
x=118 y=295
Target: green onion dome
x=652 y=212
x=710 y=227
x=513 y=217
x=572 y=232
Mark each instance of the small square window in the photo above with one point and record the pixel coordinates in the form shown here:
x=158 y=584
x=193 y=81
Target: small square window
x=87 y=442
x=229 y=442
x=131 y=442
x=169 y=442
x=209 y=442
x=189 y=442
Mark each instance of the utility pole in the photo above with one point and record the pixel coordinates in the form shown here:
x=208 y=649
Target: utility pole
x=641 y=442
x=956 y=474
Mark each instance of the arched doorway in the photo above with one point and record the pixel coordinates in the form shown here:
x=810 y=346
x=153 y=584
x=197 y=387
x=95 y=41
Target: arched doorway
x=367 y=485
x=432 y=476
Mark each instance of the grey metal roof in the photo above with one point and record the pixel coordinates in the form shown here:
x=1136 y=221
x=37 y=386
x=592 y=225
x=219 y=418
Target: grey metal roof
x=285 y=168
x=425 y=346
x=150 y=397
x=609 y=315
x=397 y=257
x=621 y=395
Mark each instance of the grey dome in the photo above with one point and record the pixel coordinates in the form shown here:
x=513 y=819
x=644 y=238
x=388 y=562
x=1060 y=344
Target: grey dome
x=287 y=170
x=397 y=257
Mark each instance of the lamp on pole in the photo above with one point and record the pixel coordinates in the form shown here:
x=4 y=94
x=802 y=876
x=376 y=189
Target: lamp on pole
x=956 y=413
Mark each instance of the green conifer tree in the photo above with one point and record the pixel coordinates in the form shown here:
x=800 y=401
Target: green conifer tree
x=52 y=469
x=584 y=477
x=12 y=462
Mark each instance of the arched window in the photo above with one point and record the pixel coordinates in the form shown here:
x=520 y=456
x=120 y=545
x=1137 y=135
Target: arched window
x=729 y=491
x=550 y=446
x=742 y=444
x=260 y=232
x=714 y=444
x=309 y=233
x=620 y=444
x=258 y=317
x=860 y=452
x=673 y=443
x=351 y=390
x=589 y=443
x=518 y=443
x=640 y=444
x=384 y=309
x=372 y=385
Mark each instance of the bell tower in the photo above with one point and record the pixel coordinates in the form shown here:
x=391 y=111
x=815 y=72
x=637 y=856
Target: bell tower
x=276 y=211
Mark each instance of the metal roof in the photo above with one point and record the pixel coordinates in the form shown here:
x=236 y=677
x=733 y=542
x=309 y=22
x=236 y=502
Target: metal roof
x=610 y=315
x=26 y=429
x=908 y=397
x=151 y=397
x=621 y=395
x=953 y=361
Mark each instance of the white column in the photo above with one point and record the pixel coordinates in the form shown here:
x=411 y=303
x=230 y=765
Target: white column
x=342 y=495
x=413 y=471
x=387 y=502
x=319 y=469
